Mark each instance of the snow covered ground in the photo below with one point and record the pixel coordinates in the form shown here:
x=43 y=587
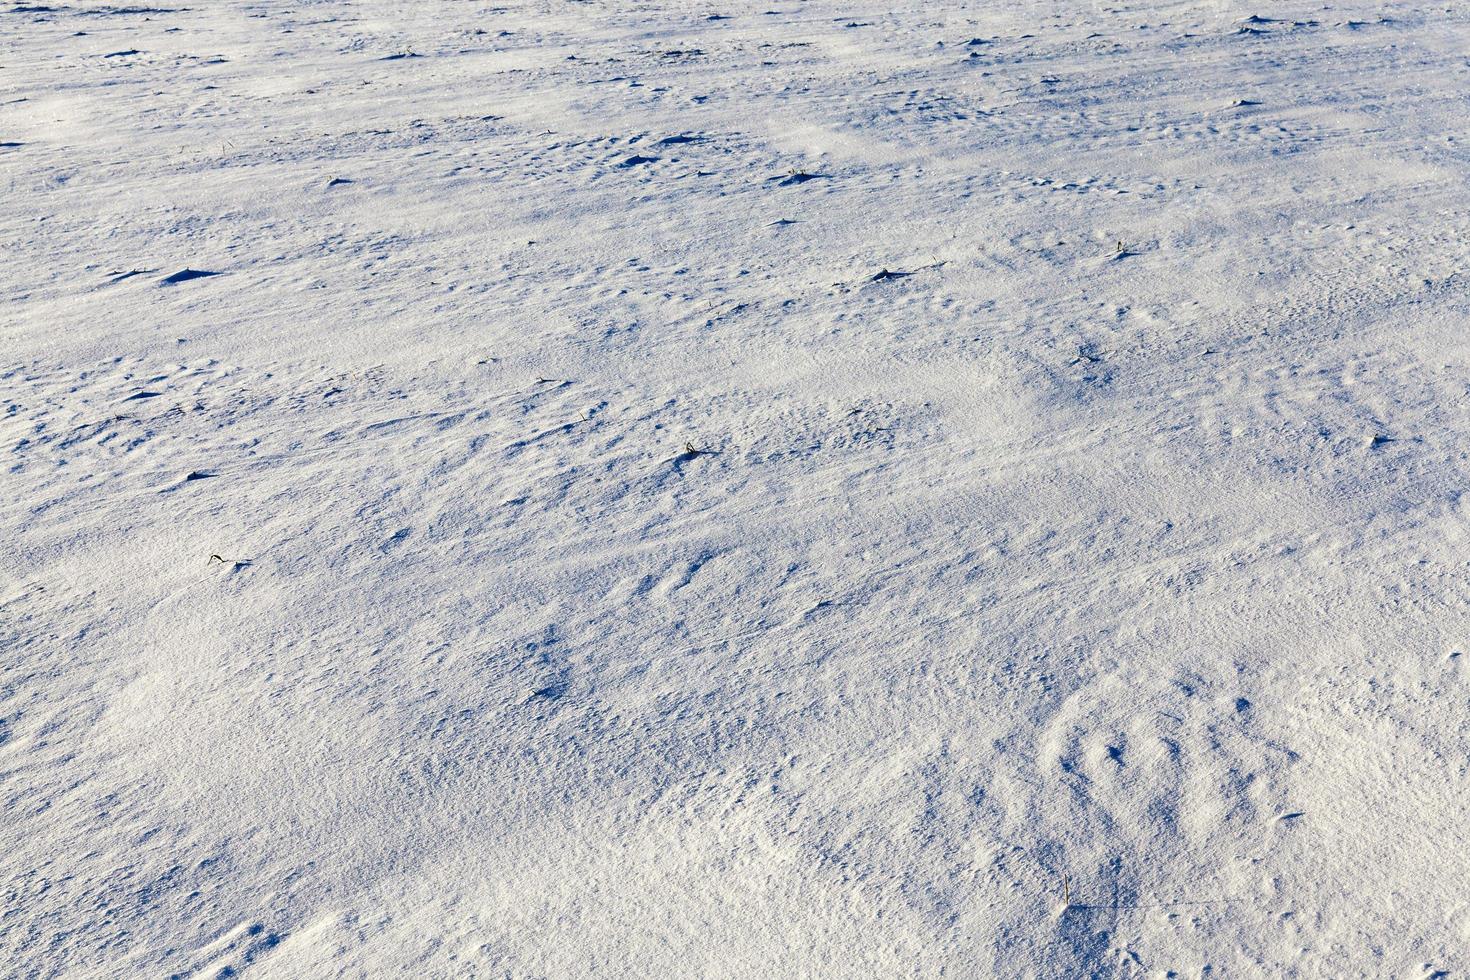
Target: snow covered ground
x=661 y=489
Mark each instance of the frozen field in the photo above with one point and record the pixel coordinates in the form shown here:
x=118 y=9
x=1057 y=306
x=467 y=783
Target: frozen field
x=659 y=489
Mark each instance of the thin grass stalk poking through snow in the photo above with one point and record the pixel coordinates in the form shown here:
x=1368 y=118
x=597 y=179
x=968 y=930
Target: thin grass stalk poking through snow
x=1066 y=895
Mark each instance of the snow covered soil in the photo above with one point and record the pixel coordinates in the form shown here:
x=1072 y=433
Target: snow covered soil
x=652 y=489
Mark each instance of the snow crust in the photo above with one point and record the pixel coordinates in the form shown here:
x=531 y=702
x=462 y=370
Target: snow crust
x=660 y=489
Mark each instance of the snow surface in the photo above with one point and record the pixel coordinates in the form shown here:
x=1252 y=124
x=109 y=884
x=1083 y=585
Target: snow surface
x=661 y=489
